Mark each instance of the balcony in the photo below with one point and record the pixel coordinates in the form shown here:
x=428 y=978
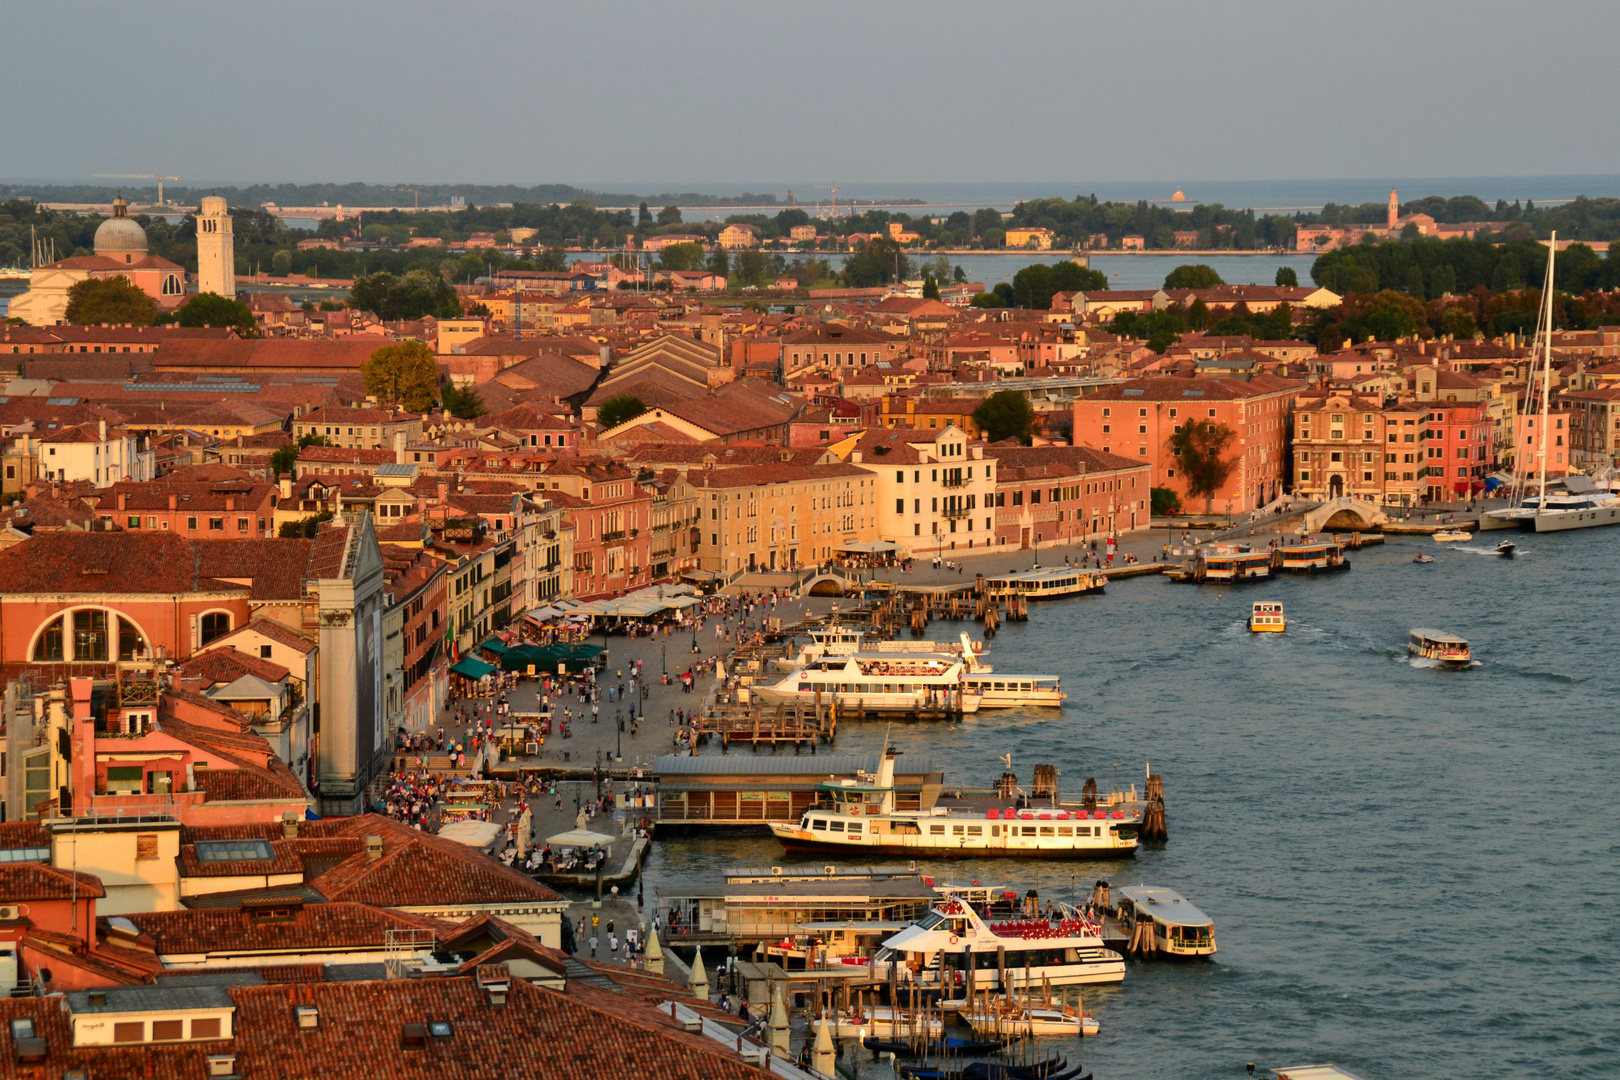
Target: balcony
x=953 y=479
x=956 y=512
x=610 y=537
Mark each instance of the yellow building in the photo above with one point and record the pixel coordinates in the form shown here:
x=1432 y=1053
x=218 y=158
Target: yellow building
x=736 y=237
x=1031 y=237
x=776 y=517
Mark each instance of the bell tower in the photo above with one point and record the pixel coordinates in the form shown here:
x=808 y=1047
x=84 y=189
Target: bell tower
x=1394 y=209
x=216 y=249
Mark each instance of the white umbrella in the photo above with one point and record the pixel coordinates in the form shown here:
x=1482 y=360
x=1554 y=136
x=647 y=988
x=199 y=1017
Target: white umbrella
x=579 y=838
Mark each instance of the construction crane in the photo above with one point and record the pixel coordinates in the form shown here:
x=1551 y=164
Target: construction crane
x=832 y=187
x=139 y=176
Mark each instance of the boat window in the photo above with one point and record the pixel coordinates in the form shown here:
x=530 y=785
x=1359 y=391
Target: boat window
x=854 y=826
x=995 y=830
x=1029 y=830
x=956 y=830
x=819 y=824
x=1064 y=830
x=836 y=826
x=936 y=830
x=1046 y=830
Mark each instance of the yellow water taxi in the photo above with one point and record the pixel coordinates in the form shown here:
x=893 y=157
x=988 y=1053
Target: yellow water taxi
x=1266 y=617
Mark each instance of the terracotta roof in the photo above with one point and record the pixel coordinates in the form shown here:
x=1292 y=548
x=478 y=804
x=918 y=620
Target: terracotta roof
x=22 y=882
x=311 y=927
x=1170 y=388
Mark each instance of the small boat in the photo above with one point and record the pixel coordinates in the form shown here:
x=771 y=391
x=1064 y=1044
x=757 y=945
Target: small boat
x=1449 y=649
x=1452 y=536
x=1423 y=557
x=1506 y=549
x=951 y=1044
x=1035 y=1020
x=1266 y=617
x=882 y=1022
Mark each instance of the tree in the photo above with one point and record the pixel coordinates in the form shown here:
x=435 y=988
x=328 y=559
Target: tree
x=878 y=262
x=303 y=528
x=1458 y=323
x=109 y=300
x=1165 y=502
x=463 y=404
x=1198 y=447
x=752 y=268
x=1006 y=414
x=681 y=257
x=1287 y=278
x=1036 y=284
x=554 y=259
x=930 y=288
x=719 y=262
x=643 y=216
x=403 y=374
x=212 y=309
x=1193 y=276
x=616 y=410
x=283 y=460
x=416 y=294
x=985 y=221
x=669 y=215
x=1198 y=314
x=281 y=263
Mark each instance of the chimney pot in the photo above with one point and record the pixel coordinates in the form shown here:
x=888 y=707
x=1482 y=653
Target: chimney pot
x=374 y=848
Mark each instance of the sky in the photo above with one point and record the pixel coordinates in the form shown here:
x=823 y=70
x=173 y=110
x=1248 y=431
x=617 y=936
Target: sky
x=629 y=96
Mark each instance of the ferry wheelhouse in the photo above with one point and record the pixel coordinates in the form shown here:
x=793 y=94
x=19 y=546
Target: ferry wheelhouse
x=873 y=682
x=941 y=947
x=1266 y=617
x=1048 y=584
x=1449 y=649
x=1016 y=691
x=1175 y=926
x=862 y=818
x=1311 y=558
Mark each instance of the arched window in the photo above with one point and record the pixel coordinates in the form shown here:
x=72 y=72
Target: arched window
x=171 y=286
x=131 y=642
x=49 y=647
x=215 y=625
x=90 y=635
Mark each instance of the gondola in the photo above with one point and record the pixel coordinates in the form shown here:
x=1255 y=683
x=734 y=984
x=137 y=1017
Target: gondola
x=950 y=1044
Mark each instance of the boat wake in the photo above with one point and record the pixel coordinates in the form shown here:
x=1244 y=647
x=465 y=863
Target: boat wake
x=1491 y=551
x=1427 y=664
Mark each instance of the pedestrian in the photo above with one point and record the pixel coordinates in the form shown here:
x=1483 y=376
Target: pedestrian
x=593 y=946
x=613 y=946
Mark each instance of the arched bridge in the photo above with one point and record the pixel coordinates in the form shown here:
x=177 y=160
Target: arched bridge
x=1344 y=513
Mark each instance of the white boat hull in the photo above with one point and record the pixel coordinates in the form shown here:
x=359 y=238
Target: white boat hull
x=953 y=701
x=880 y=1023
x=1104 y=838
x=1565 y=520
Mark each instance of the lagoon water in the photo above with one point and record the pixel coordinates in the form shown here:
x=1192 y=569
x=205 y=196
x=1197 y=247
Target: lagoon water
x=1412 y=871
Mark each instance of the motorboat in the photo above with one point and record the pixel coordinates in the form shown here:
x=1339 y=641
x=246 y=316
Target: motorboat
x=833 y=641
x=1506 y=549
x=862 y=818
x=1452 y=536
x=1449 y=649
x=1311 y=558
x=882 y=1022
x=1047 y=584
x=1013 y=1020
x=1266 y=617
x=1423 y=557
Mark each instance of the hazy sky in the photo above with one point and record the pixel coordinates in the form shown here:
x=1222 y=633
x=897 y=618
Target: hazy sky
x=626 y=95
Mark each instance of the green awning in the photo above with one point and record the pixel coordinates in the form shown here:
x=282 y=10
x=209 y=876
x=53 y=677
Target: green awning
x=547 y=657
x=471 y=667
x=496 y=646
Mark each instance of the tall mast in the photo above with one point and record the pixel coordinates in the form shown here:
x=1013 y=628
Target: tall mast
x=1546 y=369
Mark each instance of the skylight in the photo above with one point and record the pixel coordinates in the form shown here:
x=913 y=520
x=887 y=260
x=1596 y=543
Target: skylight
x=234 y=851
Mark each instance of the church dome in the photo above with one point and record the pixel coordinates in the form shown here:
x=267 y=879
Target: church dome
x=119 y=235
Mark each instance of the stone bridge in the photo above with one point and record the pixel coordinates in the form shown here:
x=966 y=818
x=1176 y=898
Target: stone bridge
x=1345 y=514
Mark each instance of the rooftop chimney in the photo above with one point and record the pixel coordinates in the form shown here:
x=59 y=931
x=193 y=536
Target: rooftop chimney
x=374 y=848
x=174 y=501
x=289 y=825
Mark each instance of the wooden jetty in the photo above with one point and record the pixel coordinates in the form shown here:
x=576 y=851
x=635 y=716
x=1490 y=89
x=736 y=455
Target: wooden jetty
x=801 y=724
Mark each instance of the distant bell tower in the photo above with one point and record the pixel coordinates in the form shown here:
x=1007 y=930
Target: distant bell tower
x=216 y=249
x=1394 y=209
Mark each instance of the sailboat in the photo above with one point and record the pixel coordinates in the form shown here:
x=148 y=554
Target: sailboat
x=1569 y=502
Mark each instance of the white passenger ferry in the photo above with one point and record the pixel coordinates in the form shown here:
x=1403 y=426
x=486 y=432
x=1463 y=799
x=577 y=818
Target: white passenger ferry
x=1175 y=926
x=1048 y=584
x=862 y=819
x=1016 y=691
x=1030 y=952
x=1449 y=649
x=872 y=682
x=846 y=641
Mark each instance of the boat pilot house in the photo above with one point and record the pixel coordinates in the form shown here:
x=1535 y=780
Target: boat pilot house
x=729 y=789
